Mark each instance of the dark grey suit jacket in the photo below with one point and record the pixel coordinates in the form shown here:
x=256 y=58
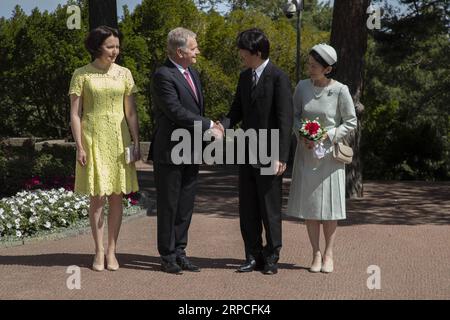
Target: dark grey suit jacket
x=174 y=106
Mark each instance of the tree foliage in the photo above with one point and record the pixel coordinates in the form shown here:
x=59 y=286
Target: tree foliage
x=405 y=130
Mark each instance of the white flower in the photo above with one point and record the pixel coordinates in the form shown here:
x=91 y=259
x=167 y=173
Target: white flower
x=32 y=219
x=18 y=233
x=52 y=200
x=47 y=225
x=17 y=221
x=84 y=212
x=66 y=204
x=9 y=225
x=64 y=221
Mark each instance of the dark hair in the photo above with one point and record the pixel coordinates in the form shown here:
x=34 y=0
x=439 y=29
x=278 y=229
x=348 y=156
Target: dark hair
x=96 y=37
x=323 y=63
x=254 y=40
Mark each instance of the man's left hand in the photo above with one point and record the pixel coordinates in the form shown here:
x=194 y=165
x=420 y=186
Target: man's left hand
x=280 y=167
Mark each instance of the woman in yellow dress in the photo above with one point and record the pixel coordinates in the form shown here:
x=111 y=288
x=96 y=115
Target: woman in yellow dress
x=103 y=114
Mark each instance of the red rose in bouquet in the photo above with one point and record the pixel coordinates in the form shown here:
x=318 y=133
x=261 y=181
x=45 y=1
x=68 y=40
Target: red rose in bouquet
x=311 y=130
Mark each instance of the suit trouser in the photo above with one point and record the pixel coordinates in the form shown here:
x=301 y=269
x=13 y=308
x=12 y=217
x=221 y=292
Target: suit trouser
x=260 y=204
x=176 y=186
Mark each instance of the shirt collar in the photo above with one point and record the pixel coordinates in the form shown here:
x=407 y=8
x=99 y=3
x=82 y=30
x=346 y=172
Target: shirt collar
x=261 y=68
x=180 y=68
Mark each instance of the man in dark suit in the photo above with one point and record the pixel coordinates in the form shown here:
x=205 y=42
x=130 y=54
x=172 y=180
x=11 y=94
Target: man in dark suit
x=263 y=100
x=178 y=102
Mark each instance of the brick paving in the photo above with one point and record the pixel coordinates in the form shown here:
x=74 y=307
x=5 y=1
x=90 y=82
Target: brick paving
x=401 y=227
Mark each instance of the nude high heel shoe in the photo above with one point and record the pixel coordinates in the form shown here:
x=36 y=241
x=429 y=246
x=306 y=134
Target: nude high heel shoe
x=112 y=264
x=99 y=262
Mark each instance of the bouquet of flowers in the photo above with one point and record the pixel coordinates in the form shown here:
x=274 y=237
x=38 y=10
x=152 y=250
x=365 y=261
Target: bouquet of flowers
x=312 y=130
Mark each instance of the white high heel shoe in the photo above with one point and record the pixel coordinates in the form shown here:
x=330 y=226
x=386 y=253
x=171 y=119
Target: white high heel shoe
x=327 y=266
x=316 y=265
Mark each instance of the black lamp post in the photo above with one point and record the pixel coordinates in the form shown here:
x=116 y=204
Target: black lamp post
x=292 y=8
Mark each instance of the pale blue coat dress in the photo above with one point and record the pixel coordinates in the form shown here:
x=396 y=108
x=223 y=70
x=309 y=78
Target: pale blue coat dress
x=317 y=189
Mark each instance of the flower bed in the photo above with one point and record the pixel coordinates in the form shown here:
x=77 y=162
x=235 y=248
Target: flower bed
x=24 y=167
x=29 y=213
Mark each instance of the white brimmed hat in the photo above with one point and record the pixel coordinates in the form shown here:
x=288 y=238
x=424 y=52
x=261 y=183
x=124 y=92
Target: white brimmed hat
x=326 y=52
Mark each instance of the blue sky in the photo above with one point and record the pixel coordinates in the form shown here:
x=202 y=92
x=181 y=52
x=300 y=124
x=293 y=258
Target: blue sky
x=7 y=6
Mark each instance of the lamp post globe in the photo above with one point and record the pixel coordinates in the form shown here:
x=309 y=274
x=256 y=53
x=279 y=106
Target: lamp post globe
x=290 y=9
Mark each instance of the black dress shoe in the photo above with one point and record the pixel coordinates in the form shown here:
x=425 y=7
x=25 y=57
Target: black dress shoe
x=185 y=264
x=248 y=266
x=259 y=265
x=270 y=268
x=170 y=267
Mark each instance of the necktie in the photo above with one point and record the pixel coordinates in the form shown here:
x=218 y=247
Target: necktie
x=191 y=84
x=254 y=80
x=254 y=83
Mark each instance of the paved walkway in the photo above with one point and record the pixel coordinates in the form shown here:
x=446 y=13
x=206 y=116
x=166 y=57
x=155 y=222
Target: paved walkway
x=401 y=227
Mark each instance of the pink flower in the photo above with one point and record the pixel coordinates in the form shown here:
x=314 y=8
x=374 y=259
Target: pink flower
x=33 y=182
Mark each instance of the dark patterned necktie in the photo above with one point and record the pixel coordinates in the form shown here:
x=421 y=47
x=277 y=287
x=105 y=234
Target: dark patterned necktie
x=254 y=83
x=254 y=80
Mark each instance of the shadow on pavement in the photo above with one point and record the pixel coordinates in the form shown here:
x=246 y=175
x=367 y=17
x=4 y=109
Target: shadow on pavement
x=127 y=261
x=384 y=202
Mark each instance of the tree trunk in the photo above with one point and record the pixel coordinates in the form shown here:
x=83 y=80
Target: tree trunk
x=102 y=12
x=349 y=38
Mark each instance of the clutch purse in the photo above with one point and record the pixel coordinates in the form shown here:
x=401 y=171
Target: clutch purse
x=343 y=153
x=129 y=154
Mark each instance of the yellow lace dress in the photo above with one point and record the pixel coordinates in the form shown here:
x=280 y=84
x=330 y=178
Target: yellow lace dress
x=104 y=130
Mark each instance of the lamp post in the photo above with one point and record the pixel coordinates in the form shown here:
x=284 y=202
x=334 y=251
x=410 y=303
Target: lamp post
x=291 y=8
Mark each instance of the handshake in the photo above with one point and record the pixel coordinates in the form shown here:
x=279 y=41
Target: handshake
x=217 y=130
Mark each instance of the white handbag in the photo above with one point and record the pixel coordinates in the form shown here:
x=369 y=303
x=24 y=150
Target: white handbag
x=129 y=154
x=343 y=153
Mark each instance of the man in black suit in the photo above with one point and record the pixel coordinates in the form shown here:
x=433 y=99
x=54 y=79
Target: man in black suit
x=263 y=100
x=178 y=102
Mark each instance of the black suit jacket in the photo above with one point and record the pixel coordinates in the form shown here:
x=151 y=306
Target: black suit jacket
x=270 y=107
x=174 y=106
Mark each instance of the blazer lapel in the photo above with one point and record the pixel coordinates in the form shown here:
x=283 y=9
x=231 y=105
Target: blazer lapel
x=182 y=80
x=264 y=79
x=247 y=87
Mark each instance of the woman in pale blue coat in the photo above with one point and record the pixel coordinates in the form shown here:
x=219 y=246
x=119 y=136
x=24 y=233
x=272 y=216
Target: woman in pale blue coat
x=317 y=192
